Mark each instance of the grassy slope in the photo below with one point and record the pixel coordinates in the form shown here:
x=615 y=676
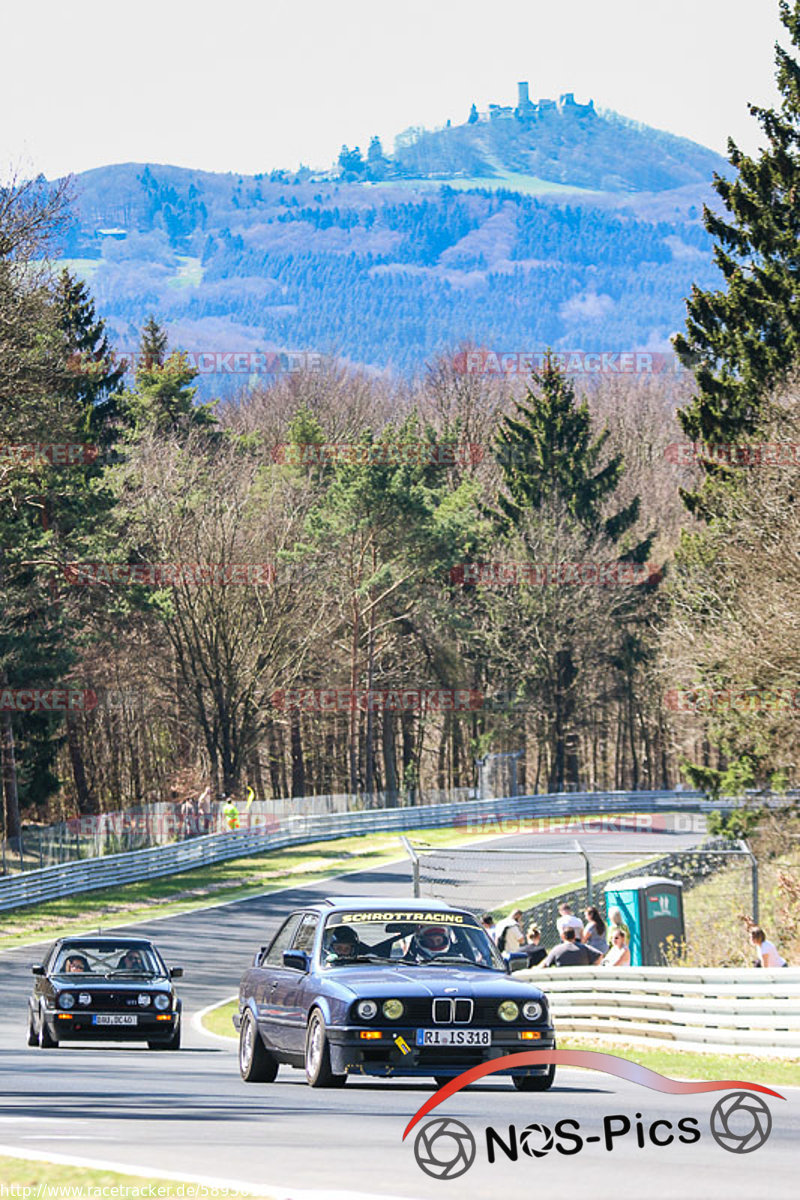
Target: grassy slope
x=233 y=880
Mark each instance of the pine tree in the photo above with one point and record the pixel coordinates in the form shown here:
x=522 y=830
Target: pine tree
x=550 y=451
x=473 y=116
x=153 y=344
x=95 y=380
x=742 y=339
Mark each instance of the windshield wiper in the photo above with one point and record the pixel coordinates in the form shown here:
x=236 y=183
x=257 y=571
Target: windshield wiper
x=128 y=975
x=459 y=958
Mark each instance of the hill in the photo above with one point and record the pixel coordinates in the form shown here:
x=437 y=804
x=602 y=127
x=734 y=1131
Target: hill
x=391 y=272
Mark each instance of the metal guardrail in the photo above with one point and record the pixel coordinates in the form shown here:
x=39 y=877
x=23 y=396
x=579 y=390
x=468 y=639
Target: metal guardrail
x=48 y=883
x=753 y=1011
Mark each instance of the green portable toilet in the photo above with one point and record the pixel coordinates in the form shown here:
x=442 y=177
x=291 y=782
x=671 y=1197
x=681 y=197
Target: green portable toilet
x=652 y=910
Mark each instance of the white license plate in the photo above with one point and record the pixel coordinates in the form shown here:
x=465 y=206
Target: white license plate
x=454 y=1037
x=115 y=1019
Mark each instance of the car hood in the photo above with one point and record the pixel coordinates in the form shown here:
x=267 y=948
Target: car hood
x=403 y=981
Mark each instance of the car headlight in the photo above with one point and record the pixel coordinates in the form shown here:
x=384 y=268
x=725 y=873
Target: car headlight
x=84 y=998
x=161 y=1001
x=532 y=1010
x=392 y=1009
x=143 y=1000
x=366 y=1009
x=67 y=1000
x=508 y=1011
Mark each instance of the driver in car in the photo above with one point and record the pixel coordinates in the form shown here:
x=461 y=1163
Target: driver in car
x=342 y=944
x=131 y=961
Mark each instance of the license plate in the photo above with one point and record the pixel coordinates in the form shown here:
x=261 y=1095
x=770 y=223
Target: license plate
x=454 y=1037
x=115 y=1019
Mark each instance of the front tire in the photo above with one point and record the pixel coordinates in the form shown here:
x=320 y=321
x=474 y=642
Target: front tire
x=256 y=1064
x=46 y=1039
x=174 y=1042
x=33 y=1037
x=535 y=1083
x=318 y=1055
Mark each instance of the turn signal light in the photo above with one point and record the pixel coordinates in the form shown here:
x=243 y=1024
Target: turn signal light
x=529 y=1035
x=370 y=1035
x=64 y=1016
x=164 y=1017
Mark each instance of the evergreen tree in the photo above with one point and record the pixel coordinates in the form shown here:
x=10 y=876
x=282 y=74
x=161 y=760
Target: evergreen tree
x=153 y=344
x=550 y=451
x=473 y=116
x=741 y=339
x=97 y=380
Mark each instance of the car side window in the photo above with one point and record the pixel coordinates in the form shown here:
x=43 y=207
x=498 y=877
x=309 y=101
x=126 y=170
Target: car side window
x=304 y=938
x=283 y=940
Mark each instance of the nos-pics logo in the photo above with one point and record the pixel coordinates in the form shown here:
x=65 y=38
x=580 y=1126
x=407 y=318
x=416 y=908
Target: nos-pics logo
x=445 y=1148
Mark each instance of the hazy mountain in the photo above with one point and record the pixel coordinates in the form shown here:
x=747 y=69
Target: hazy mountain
x=566 y=228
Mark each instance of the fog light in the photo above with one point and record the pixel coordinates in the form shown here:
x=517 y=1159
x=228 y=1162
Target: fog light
x=530 y=1035
x=370 y=1035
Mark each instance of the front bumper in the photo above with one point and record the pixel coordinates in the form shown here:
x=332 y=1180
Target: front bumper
x=352 y=1054
x=79 y=1027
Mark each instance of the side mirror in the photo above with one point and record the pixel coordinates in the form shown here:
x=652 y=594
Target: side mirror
x=517 y=963
x=38 y=969
x=176 y=972
x=298 y=960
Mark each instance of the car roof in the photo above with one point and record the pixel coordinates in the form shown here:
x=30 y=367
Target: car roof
x=423 y=904
x=97 y=942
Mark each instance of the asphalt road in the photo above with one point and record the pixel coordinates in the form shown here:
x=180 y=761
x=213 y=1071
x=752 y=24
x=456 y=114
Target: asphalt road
x=190 y=1111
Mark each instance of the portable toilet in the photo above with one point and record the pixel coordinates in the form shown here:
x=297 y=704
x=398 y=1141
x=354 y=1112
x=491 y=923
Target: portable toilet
x=652 y=910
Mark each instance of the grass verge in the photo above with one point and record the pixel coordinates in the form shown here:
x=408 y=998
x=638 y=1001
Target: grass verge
x=233 y=880
x=690 y=1064
x=219 y=1020
x=57 y=1180
x=526 y=902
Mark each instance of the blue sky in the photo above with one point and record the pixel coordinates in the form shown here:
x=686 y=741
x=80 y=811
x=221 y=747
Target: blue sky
x=240 y=86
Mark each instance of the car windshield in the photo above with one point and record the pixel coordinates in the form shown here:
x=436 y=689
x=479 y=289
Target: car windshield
x=407 y=939
x=118 y=960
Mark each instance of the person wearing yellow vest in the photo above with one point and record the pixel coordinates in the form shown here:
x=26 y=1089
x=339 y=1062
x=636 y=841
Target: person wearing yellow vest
x=230 y=814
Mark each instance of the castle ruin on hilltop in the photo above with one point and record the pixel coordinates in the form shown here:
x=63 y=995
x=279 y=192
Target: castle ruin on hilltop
x=529 y=110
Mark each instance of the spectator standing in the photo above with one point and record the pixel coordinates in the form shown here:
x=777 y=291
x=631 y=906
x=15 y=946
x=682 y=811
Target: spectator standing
x=204 y=812
x=509 y=933
x=189 y=818
x=568 y=920
x=616 y=922
x=594 y=932
x=619 y=955
x=533 y=947
x=487 y=921
x=768 y=955
x=571 y=953
x=230 y=813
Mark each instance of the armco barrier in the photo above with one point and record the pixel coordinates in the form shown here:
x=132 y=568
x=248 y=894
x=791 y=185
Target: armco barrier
x=48 y=883
x=745 y=1011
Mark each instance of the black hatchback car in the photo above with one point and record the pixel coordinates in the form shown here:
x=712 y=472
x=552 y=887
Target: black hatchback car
x=386 y=988
x=104 y=989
